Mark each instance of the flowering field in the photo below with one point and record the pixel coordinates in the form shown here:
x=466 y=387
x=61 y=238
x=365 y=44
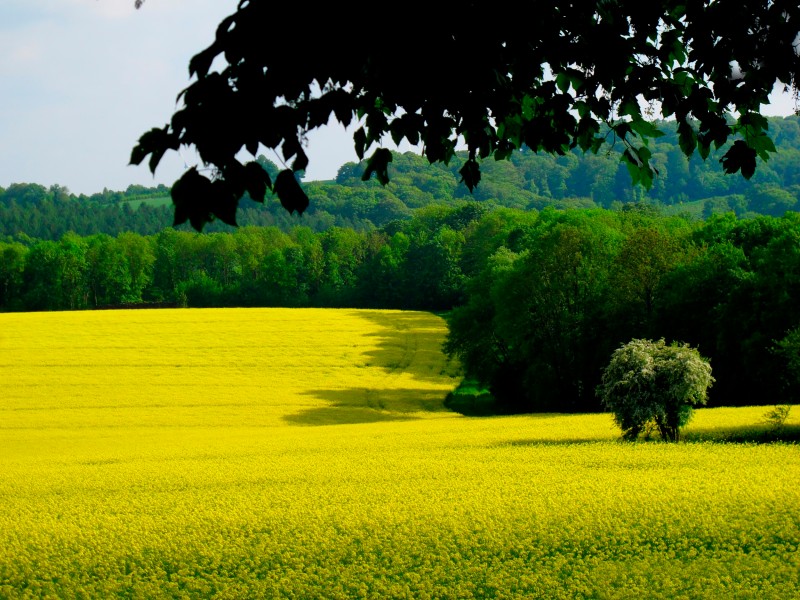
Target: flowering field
x=258 y=453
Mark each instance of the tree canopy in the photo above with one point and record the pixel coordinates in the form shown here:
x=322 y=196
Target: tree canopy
x=589 y=74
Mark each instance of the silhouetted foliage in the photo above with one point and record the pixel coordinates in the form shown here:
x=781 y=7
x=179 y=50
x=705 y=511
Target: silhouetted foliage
x=573 y=77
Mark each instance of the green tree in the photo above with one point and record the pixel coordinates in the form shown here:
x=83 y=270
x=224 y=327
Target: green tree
x=654 y=384
x=109 y=275
x=474 y=336
x=533 y=327
x=12 y=268
x=312 y=261
x=644 y=258
x=73 y=271
x=280 y=281
x=550 y=310
x=431 y=274
x=540 y=83
x=224 y=267
x=173 y=263
x=770 y=200
x=139 y=254
x=788 y=349
x=483 y=237
x=380 y=280
x=344 y=251
x=42 y=278
x=200 y=290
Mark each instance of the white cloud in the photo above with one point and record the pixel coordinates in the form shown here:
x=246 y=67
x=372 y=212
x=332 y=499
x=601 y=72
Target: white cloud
x=24 y=55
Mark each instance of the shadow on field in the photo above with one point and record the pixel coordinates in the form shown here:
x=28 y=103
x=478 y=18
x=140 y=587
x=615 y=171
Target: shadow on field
x=405 y=343
x=752 y=434
x=550 y=442
x=364 y=405
x=744 y=434
x=790 y=434
x=408 y=342
x=738 y=434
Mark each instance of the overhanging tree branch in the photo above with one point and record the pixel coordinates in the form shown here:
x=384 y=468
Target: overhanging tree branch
x=546 y=80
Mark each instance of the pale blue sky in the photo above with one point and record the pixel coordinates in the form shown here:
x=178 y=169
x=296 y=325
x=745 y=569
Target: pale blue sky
x=81 y=80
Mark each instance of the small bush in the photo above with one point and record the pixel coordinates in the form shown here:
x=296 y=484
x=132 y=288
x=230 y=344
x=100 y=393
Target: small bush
x=776 y=417
x=471 y=399
x=652 y=385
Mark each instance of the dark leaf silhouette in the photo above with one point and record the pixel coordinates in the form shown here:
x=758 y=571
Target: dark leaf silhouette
x=290 y=194
x=610 y=66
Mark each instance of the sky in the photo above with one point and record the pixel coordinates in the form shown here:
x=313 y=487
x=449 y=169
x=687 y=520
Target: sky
x=82 y=80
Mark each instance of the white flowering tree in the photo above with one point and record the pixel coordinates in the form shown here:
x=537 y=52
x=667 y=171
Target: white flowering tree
x=651 y=384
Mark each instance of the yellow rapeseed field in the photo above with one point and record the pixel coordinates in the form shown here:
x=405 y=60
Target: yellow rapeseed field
x=300 y=453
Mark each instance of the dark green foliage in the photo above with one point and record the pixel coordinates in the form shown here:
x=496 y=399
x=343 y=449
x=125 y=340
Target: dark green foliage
x=378 y=163
x=577 y=77
x=191 y=196
x=546 y=307
x=733 y=299
x=532 y=329
x=12 y=272
x=788 y=349
x=471 y=400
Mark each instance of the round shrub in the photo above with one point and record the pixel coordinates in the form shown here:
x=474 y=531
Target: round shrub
x=654 y=385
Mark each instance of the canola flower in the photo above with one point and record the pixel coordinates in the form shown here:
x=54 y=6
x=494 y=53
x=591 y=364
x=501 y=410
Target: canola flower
x=301 y=453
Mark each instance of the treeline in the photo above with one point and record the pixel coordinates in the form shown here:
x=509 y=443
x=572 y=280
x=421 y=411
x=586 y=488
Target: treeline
x=527 y=181
x=407 y=264
x=539 y=299
x=49 y=213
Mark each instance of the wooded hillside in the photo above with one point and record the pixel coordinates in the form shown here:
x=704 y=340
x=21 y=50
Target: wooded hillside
x=526 y=181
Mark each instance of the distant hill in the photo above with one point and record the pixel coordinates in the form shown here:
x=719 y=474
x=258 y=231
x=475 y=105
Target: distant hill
x=526 y=181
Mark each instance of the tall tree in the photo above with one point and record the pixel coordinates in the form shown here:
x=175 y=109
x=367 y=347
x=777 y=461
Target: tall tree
x=577 y=75
x=534 y=329
x=109 y=275
x=12 y=268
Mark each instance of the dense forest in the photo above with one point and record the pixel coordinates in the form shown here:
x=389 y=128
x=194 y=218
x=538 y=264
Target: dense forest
x=546 y=269
x=527 y=181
